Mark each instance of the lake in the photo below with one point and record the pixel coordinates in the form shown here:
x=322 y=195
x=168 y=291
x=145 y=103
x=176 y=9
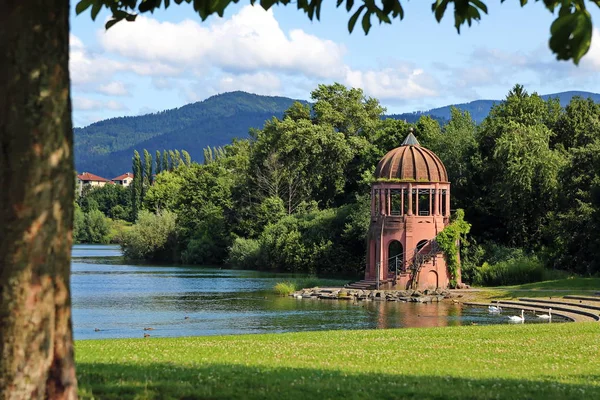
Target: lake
x=122 y=299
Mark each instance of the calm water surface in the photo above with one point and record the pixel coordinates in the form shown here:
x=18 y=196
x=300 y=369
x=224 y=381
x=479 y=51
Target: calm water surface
x=122 y=299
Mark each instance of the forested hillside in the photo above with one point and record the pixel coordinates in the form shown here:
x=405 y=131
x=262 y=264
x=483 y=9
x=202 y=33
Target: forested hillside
x=105 y=147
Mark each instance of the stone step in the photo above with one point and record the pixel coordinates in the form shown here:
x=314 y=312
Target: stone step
x=519 y=306
x=556 y=307
x=567 y=302
x=585 y=298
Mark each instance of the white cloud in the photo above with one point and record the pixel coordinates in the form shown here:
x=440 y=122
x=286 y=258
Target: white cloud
x=87 y=104
x=114 y=88
x=402 y=82
x=592 y=59
x=250 y=40
x=87 y=67
x=260 y=83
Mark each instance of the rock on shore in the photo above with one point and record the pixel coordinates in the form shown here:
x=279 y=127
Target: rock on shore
x=416 y=296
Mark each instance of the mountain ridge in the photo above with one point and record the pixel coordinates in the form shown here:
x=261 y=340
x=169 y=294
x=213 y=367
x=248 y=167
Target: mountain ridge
x=106 y=147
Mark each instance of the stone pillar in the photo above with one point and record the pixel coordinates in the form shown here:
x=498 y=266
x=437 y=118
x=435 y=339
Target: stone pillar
x=410 y=199
x=430 y=202
x=402 y=201
x=438 y=197
x=448 y=201
x=373 y=201
x=417 y=201
x=389 y=201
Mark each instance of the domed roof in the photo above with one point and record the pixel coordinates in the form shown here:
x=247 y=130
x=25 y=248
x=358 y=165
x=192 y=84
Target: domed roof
x=411 y=162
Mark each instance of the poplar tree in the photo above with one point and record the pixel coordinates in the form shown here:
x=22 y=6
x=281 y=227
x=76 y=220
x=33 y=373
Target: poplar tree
x=147 y=172
x=165 y=161
x=157 y=162
x=136 y=185
x=186 y=158
x=172 y=164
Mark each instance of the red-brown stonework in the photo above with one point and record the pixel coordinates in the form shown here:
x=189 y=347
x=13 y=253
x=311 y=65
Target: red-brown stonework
x=410 y=205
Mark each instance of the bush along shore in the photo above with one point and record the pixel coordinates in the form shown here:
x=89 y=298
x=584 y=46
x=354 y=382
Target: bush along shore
x=416 y=296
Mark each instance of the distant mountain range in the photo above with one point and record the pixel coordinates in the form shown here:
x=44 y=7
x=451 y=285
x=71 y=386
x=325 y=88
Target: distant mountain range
x=105 y=148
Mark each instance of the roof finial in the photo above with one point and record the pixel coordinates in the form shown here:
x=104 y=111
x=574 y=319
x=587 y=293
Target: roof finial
x=410 y=140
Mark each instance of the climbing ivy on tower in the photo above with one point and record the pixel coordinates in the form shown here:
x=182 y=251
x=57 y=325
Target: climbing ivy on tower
x=448 y=240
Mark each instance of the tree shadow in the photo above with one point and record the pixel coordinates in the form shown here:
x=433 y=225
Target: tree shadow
x=229 y=381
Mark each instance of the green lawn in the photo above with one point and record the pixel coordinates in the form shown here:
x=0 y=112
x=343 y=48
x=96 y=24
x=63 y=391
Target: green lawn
x=553 y=361
x=560 y=287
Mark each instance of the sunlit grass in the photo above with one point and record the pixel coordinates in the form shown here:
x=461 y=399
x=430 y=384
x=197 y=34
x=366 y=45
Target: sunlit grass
x=551 y=288
x=554 y=361
x=291 y=285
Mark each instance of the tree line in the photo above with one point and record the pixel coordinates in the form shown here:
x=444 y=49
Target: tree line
x=294 y=196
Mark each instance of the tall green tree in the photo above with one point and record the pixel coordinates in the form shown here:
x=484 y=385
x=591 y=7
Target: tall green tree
x=347 y=110
x=147 y=172
x=157 y=162
x=136 y=185
x=514 y=143
x=165 y=161
x=187 y=159
x=457 y=147
x=578 y=125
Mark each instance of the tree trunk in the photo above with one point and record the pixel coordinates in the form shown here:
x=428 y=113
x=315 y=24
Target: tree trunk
x=36 y=201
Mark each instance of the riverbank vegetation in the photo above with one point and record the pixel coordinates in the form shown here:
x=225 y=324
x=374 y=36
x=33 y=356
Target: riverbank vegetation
x=293 y=196
x=553 y=361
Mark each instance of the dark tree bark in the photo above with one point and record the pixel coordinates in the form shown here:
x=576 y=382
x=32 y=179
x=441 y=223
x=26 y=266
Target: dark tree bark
x=36 y=201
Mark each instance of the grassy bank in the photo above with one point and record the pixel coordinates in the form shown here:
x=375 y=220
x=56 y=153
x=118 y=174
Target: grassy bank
x=559 y=287
x=484 y=362
x=289 y=286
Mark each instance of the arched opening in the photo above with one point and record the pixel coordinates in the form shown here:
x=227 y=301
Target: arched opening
x=432 y=280
x=395 y=256
x=421 y=244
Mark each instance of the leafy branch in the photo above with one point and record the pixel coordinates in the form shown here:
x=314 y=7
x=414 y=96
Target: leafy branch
x=570 y=33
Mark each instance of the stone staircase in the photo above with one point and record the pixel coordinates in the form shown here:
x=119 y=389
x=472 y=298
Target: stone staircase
x=574 y=308
x=367 y=284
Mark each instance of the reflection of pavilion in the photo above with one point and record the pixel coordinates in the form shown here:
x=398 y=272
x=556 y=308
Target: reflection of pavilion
x=410 y=205
x=413 y=315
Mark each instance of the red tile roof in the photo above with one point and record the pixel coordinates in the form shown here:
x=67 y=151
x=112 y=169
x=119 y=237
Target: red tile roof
x=86 y=176
x=124 y=176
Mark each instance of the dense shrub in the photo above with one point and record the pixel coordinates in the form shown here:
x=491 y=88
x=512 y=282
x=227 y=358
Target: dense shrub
x=95 y=228
x=151 y=238
x=244 y=253
x=319 y=242
x=514 y=271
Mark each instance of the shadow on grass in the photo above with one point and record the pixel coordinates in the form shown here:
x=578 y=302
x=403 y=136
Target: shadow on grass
x=221 y=381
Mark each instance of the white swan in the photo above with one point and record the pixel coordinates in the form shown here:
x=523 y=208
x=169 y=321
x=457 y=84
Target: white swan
x=546 y=316
x=516 y=318
x=496 y=308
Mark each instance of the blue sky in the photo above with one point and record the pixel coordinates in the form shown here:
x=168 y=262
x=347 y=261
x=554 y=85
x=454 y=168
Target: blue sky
x=171 y=58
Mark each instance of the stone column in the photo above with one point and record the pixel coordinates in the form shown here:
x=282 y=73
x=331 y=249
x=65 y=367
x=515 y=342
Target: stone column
x=417 y=201
x=448 y=201
x=389 y=201
x=438 y=197
x=410 y=199
x=402 y=201
x=430 y=202
x=372 y=201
